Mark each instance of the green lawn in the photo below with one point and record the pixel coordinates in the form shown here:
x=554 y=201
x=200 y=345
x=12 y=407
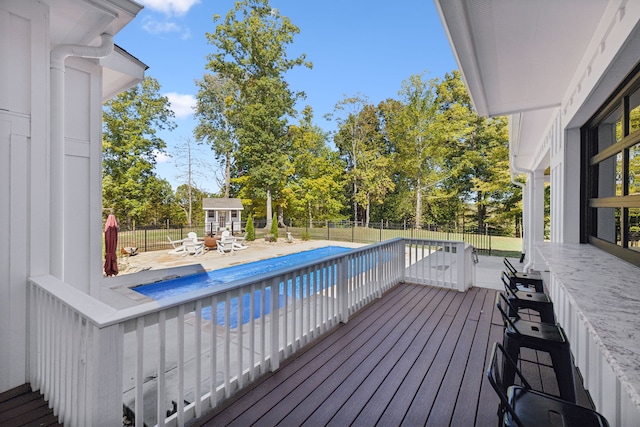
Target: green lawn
x=150 y=240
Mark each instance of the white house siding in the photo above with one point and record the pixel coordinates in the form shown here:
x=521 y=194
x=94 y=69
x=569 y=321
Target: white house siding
x=50 y=193
x=23 y=189
x=82 y=264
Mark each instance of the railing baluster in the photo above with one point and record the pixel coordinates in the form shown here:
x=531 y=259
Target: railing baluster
x=240 y=338
x=198 y=357
x=227 y=345
x=302 y=303
x=274 y=357
x=305 y=306
x=139 y=399
x=180 y=367
x=161 y=368
x=213 y=367
x=252 y=331
x=76 y=331
x=263 y=321
x=285 y=317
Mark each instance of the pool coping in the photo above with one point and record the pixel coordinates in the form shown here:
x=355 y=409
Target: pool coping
x=118 y=291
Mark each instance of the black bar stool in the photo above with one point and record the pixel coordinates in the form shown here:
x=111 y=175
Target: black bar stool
x=523 y=407
x=537 y=301
x=523 y=281
x=541 y=336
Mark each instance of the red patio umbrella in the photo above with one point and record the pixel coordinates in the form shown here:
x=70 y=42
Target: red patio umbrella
x=110 y=245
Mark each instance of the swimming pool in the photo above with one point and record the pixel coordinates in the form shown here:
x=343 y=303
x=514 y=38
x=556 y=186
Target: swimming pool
x=181 y=285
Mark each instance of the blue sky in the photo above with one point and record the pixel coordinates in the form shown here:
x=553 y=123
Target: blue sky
x=365 y=47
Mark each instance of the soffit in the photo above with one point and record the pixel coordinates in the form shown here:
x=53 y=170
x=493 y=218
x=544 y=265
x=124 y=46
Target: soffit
x=82 y=22
x=518 y=56
x=121 y=71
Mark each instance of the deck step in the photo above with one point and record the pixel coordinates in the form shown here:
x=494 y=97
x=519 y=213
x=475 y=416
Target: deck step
x=21 y=406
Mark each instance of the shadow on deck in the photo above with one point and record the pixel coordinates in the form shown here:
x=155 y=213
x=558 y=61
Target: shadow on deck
x=417 y=356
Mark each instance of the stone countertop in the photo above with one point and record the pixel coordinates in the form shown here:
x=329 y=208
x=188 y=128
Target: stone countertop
x=605 y=292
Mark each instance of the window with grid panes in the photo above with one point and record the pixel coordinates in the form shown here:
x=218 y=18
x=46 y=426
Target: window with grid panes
x=611 y=202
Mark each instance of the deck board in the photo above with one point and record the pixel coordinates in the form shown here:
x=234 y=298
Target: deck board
x=22 y=407
x=416 y=356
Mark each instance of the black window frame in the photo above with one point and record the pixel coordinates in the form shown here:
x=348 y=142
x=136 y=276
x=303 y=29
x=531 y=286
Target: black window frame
x=591 y=159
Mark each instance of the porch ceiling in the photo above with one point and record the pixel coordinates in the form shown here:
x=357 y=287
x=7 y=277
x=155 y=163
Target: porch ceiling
x=518 y=56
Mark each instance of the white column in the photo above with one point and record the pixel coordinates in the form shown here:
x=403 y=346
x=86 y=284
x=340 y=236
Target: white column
x=526 y=206
x=536 y=230
x=571 y=188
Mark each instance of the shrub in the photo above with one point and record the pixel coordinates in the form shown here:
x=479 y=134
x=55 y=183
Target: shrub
x=274 y=228
x=251 y=232
x=305 y=236
x=270 y=238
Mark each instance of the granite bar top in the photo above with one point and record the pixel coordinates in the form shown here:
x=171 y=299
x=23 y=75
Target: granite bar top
x=605 y=291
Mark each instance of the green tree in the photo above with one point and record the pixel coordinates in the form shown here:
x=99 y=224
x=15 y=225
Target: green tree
x=251 y=51
x=251 y=232
x=361 y=143
x=156 y=209
x=214 y=100
x=314 y=191
x=274 y=228
x=477 y=155
x=349 y=140
x=414 y=131
x=188 y=197
x=130 y=144
x=375 y=162
x=189 y=162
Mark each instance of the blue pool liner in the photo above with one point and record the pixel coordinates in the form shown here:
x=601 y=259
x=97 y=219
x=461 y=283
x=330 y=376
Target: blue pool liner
x=173 y=287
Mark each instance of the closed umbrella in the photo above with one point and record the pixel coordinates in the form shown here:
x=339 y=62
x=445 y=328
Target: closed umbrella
x=110 y=245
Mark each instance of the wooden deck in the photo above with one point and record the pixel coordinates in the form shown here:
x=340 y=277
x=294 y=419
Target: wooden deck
x=22 y=407
x=417 y=356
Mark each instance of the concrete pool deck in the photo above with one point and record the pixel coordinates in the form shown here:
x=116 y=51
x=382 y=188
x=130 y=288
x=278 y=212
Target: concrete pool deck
x=213 y=260
x=153 y=266
x=150 y=267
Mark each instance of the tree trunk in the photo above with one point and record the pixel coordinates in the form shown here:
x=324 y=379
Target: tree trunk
x=310 y=215
x=281 y=217
x=482 y=211
x=189 y=181
x=368 y=211
x=418 y=220
x=355 y=204
x=227 y=175
x=190 y=215
x=269 y=211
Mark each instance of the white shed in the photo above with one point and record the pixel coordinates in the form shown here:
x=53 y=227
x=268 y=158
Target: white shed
x=220 y=213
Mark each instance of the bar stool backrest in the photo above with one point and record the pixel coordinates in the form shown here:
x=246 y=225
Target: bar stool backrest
x=500 y=299
x=509 y=266
x=499 y=356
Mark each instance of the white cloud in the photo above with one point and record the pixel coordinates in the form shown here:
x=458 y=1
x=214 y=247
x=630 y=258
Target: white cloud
x=170 y=7
x=156 y=27
x=162 y=157
x=153 y=26
x=182 y=105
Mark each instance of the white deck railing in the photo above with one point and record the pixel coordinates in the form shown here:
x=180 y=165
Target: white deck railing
x=171 y=360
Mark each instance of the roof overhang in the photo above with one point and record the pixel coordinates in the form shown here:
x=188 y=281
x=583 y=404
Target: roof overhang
x=222 y=204
x=121 y=71
x=82 y=22
x=518 y=58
